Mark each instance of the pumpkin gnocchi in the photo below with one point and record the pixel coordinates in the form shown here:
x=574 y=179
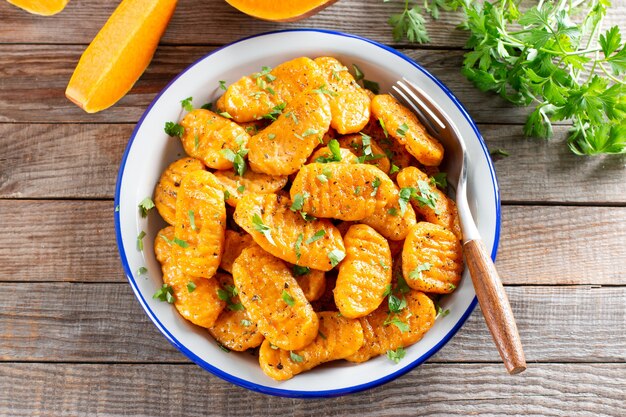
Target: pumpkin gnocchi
x=302 y=222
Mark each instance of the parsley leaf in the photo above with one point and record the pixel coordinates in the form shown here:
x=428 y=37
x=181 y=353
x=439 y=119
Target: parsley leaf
x=174 y=129
x=298 y=245
x=375 y=186
x=335 y=256
x=402 y=129
x=295 y=357
x=222 y=84
x=300 y=270
x=288 y=299
x=186 y=104
x=140 y=237
x=323 y=90
x=335 y=150
x=417 y=272
x=165 y=293
x=192 y=219
x=142 y=270
x=298 y=201
x=396 y=355
x=396 y=321
x=409 y=24
x=440 y=180
x=317 y=236
x=145 y=206
x=358 y=74
x=191 y=286
x=262 y=228
x=275 y=112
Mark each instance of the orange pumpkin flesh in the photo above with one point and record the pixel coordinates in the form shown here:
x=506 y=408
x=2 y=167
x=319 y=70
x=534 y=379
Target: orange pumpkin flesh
x=280 y=10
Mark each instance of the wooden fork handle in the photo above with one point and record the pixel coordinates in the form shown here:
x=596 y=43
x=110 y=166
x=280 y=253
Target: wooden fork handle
x=495 y=306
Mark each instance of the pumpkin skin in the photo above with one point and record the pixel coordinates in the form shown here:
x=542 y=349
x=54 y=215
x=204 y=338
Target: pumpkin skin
x=280 y=10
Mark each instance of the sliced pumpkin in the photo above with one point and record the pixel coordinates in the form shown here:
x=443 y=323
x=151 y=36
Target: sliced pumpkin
x=41 y=7
x=119 y=53
x=280 y=10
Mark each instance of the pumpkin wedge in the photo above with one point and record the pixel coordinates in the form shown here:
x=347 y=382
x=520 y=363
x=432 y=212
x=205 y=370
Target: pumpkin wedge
x=41 y=7
x=119 y=53
x=280 y=10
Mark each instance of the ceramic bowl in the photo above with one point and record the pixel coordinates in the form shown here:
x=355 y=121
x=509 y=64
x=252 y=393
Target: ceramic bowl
x=150 y=150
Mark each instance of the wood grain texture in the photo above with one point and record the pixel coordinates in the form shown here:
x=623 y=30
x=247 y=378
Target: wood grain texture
x=33 y=80
x=430 y=390
x=63 y=240
x=104 y=323
x=31 y=166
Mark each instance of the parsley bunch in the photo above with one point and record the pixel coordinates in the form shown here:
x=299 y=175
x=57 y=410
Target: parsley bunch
x=542 y=57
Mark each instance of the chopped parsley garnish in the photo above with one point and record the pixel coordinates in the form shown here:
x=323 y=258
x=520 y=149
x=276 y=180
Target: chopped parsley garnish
x=196 y=142
x=298 y=245
x=295 y=357
x=396 y=304
x=186 y=104
x=383 y=264
x=441 y=312
x=335 y=256
x=176 y=241
x=246 y=323
x=335 y=150
x=237 y=158
x=140 y=237
x=392 y=211
x=404 y=197
x=145 y=206
x=226 y=293
x=222 y=84
x=323 y=90
x=142 y=270
x=226 y=195
x=426 y=196
x=241 y=189
x=207 y=106
x=440 y=180
x=310 y=132
x=307 y=217
x=174 y=129
x=375 y=185
x=317 y=236
x=275 y=112
x=358 y=74
x=402 y=287
x=325 y=175
x=387 y=290
x=396 y=355
x=191 y=286
x=322 y=178
x=165 y=293
x=395 y=320
x=300 y=270
x=226 y=115
x=373 y=86
x=382 y=124
x=293 y=117
x=499 y=152
x=357 y=190
x=298 y=201
x=271 y=136
x=394 y=169
x=288 y=299
x=264 y=73
x=452 y=287
x=401 y=131
x=262 y=228
x=222 y=347
x=192 y=219
x=417 y=272
x=322 y=335
x=117 y=208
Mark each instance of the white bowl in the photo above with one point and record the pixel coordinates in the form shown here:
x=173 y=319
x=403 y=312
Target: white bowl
x=150 y=150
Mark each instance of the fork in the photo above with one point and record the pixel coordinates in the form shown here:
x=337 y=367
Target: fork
x=493 y=300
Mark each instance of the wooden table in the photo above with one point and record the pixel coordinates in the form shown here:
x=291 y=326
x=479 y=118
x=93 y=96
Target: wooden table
x=74 y=341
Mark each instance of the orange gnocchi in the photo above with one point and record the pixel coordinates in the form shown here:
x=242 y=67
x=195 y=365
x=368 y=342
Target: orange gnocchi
x=168 y=185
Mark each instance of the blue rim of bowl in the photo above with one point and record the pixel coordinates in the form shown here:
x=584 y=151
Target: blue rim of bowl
x=277 y=391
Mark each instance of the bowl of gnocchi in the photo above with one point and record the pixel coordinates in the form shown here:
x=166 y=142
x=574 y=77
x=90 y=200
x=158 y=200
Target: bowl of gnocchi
x=286 y=223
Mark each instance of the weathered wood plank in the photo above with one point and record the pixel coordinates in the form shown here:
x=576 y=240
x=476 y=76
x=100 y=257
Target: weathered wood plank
x=81 y=161
x=430 y=390
x=218 y=23
x=101 y=323
x=539 y=245
x=33 y=80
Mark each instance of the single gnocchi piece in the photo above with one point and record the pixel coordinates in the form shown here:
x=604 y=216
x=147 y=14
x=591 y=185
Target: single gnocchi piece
x=338 y=337
x=273 y=299
x=394 y=220
x=349 y=103
x=234 y=328
x=311 y=281
x=207 y=136
x=403 y=125
x=250 y=182
x=383 y=331
x=260 y=94
x=395 y=151
x=434 y=206
x=432 y=259
x=364 y=273
x=167 y=188
x=367 y=150
x=274 y=223
x=196 y=299
x=284 y=146
x=200 y=224
x=234 y=243
x=342 y=191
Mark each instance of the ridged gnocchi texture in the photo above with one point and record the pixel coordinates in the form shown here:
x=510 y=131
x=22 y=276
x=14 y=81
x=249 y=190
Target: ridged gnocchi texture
x=349 y=103
x=403 y=125
x=432 y=259
x=381 y=334
x=293 y=239
x=338 y=337
x=201 y=306
x=342 y=191
x=200 y=224
x=274 y=300
x=364 y=273
x=390 y=221
x=234 y=243
x=234 y=328
x=207 y=134
x=236 y=186
x=256 y=95
x=284 y=146
x=169 y=183
x=444 y=212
